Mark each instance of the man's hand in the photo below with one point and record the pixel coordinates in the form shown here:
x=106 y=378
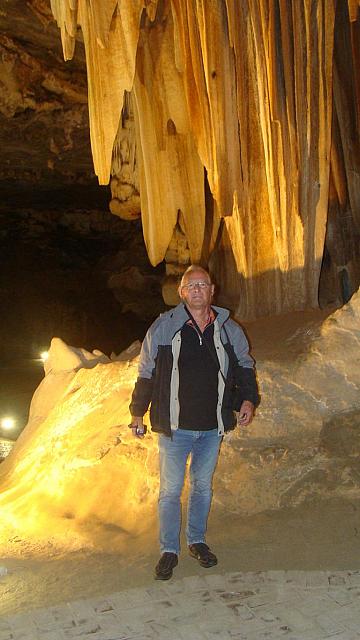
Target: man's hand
x=137 y=426
x=246 y=414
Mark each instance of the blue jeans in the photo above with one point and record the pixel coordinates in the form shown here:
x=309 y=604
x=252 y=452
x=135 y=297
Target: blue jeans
x=203 y=446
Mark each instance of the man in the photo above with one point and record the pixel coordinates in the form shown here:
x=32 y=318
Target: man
x=196 y=371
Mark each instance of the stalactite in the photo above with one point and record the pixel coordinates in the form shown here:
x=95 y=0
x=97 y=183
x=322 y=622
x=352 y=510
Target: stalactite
x=346 y=105
x=353 y=9
x=171 y=174
x=243 y=92
x=343 y=229
x=125 y=188
x=66 y=14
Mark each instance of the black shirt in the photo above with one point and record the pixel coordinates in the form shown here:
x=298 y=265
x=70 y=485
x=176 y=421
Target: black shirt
x=198 y=379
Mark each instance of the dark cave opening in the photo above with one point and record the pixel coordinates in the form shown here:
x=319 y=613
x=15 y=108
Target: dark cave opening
x=80 y=274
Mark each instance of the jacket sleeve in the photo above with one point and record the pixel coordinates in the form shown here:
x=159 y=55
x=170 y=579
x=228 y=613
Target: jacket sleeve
x=243 y=369
x=142 y=393
x=141 y=397
x=246 y=387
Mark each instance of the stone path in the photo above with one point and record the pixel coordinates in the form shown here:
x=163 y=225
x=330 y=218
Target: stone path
x=294 y=605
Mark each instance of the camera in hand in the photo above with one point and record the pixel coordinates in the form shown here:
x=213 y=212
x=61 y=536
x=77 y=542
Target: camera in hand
x=141 y=431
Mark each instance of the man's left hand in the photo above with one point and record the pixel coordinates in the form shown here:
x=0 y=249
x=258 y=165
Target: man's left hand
x=246 y=414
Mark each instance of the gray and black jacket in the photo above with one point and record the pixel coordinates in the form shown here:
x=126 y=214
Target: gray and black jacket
x=158 y=374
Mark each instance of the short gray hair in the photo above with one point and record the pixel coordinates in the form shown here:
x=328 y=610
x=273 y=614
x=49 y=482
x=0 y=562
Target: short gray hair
x=191 y=269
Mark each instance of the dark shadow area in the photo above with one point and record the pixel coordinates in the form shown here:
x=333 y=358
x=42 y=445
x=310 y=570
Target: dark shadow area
x=18 y=381
x=15 y=195
x=340 y=436
x=74 y=274
x=80 y=275
x=340 y=272
x=317 y=535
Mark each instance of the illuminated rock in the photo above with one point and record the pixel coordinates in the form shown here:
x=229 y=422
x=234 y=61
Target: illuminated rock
x=241 y=92
x=304 y=442
x=78 y=477
x=125 y=179
x=128 y=209
x=240 y=117
x=76 y=467
x=64 y=358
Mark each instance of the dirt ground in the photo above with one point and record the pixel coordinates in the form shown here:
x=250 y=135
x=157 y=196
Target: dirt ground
x=316 y=536
x=320 y=535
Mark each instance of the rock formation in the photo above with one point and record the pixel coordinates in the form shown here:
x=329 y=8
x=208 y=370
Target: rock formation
x=78 y=477
x=247 y=136
x=43 y=105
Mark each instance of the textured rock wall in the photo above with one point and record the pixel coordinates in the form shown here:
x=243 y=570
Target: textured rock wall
x=43 y=102
x=239 y=96
x=78 y=466
x=304 y=443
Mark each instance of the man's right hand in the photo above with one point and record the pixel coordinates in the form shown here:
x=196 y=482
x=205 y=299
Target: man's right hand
x=137 y=426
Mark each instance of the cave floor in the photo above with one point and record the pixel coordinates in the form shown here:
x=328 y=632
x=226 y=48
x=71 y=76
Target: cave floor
x=292 y=572
x=295 y=570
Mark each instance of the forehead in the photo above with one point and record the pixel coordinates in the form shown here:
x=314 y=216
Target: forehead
x=197 y=275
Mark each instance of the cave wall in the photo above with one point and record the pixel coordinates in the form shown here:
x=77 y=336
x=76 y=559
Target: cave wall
x=44 y=121
x=64 y=259
x=231 y=128
x=341 y=265
x=65 y=272
x=302 y=446
x=260 y=97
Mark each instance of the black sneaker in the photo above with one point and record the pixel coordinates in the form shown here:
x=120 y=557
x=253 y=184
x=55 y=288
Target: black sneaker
x=202 y=553
x=165 y=566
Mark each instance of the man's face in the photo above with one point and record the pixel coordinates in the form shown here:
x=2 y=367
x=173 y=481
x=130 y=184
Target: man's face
x=197 y=290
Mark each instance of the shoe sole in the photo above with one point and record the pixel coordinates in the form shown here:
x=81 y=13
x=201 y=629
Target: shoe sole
x=163 y=576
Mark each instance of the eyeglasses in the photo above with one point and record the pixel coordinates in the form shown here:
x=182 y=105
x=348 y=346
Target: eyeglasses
x=201 y=284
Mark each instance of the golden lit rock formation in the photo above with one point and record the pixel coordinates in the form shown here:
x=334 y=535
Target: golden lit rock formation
x=244 y=111
x=78 y=477
x=75 y=467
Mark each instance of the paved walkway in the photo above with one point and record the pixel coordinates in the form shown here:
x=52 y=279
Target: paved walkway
x=294 y=605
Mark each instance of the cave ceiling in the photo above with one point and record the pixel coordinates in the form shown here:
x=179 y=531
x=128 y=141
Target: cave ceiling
x=231 y=127
x=44 y=121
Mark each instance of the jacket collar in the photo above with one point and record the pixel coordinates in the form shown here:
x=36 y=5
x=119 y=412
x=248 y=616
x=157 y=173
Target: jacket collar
x=179 y=316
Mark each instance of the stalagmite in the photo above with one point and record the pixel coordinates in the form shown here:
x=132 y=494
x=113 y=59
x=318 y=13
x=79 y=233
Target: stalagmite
x=233 y=115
